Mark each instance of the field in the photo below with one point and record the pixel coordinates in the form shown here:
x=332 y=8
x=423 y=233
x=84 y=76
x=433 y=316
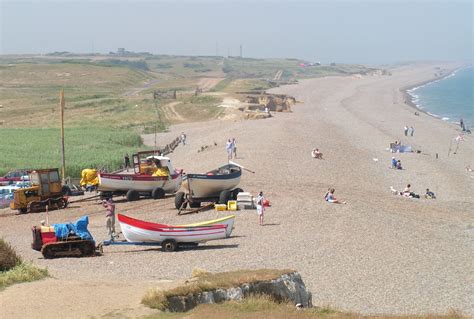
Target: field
x=84 y=147
x=110 y=101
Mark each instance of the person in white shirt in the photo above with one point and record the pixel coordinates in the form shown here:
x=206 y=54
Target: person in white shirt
x=260 y=207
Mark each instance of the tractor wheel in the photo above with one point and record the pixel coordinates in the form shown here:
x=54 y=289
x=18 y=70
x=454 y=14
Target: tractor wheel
x=179 y=199
x=23 y=210
x=224 y=197
x=48 y=251
x=157 y=193
x=35 y=207
x=235 y=192
x=169 y=245
x=87 y=248
x=61 y=203
x=132 y=195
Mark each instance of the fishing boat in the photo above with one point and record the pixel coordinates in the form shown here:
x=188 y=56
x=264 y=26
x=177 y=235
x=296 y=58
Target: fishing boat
x=135 y=230
x=212 y=183
x=152 y=175
x=228 y=221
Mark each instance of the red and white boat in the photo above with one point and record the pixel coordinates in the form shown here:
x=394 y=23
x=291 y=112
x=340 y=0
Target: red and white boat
x=135 y=230
x=152 y=175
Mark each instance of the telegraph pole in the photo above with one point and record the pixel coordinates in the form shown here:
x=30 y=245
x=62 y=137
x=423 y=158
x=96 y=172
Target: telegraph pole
x=62 y=103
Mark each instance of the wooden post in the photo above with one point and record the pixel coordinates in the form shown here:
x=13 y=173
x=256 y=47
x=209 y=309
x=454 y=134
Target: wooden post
x=62 y=103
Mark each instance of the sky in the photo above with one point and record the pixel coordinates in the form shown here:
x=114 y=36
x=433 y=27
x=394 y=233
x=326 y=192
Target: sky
x=342 y=31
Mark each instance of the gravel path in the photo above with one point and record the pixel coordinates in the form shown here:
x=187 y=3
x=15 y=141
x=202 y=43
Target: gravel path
x=379 y=253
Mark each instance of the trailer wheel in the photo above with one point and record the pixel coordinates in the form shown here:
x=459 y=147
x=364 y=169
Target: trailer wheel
x=224 y=197
x=169 y=245
x=157 y=193
x=179 y=199
x=235 y=192
x=132 y=195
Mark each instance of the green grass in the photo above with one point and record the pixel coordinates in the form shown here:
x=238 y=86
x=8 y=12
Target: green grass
x=14 y=270
x=263 y=307
x=211 y=281
x=23 y=272
x=84 y=147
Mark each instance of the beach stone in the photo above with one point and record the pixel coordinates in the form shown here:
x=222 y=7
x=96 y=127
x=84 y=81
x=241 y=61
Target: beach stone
x=288 y=287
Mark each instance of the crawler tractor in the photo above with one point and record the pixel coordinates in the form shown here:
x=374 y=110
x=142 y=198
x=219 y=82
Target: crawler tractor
x=46 y=190
x=74 y=240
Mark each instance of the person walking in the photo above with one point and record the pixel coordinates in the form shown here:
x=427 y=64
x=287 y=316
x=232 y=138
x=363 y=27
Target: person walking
x=412 y=130
x=406 y=130
x=110 y=216
x=183 y=138
x=260 y=208
x=126 y=160
x=234 y=147
x=228 y=148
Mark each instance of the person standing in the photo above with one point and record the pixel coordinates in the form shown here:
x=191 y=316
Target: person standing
x=461 y=123
x=183 y=138
x=406 y=130
x=412 y=130
x=234 y=147
x=228 y=148
x=110 y=216
x=126 y=160
x=260 y=208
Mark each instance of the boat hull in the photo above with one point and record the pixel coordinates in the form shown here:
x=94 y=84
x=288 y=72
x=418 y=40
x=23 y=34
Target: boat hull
x=135 y=230
x=228 y=221
x=138 y=182
x=214 y=182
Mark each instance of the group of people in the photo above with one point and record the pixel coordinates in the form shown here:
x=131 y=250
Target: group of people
x=409 y=130
x=407 y=192
x=231 y=148
x=396 y=164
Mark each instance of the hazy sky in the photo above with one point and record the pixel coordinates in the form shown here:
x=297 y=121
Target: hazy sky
x=326 y=31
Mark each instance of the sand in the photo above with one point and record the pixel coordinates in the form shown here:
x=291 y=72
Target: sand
x=378 y=254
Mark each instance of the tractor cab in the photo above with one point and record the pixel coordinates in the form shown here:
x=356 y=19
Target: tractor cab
x=45 y=189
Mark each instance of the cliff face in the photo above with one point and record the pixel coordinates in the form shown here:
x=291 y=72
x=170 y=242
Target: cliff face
x=288 y=287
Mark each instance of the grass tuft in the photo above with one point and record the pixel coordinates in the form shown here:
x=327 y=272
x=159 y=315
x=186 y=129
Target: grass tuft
x=8 y=257
x=211 y=281
x=23 y=272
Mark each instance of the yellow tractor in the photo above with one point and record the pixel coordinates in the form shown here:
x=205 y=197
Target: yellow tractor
x=46 y=190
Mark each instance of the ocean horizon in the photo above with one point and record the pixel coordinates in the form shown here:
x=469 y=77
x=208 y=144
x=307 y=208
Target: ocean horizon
x=449 y=98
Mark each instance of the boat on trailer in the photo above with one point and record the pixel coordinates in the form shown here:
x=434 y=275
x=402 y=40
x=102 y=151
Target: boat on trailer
x=153 y=175
x=139 y=232
x=218 y=185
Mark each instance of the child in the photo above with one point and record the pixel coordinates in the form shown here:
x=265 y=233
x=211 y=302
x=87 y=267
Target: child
x=110 y=215
x=260 y=208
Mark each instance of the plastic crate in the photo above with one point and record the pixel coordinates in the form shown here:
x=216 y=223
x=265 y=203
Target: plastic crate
x=232 y=205
x=220 y=207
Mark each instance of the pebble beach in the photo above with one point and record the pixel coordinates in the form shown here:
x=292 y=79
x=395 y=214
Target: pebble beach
x=378 y=254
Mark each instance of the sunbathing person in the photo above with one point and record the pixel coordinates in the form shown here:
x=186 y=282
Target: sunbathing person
x=399 y=165
x=429 y=194
x=329 y=197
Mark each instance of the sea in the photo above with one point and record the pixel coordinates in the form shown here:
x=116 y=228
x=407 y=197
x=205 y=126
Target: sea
x=450 y=98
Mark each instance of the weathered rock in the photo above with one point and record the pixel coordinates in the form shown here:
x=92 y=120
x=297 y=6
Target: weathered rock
x=288 y=287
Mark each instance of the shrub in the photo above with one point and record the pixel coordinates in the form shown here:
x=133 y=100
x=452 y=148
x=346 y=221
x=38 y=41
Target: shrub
x=8 y=257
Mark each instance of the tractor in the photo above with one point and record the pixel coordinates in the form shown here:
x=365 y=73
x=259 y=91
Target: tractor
x=46 y=190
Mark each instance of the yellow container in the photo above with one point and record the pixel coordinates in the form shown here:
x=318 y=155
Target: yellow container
x=220 y=207
x=232 y=205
